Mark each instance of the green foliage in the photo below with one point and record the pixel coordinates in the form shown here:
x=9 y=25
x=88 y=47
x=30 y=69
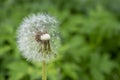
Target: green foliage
x=90 y=36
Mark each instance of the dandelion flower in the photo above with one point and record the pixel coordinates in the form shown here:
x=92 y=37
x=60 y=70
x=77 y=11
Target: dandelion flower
x=38 y=38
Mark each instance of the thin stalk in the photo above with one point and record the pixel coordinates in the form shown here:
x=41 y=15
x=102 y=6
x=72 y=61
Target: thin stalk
x=44 y=70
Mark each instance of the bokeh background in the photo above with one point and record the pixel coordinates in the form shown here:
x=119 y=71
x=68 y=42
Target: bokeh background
x=90 y=39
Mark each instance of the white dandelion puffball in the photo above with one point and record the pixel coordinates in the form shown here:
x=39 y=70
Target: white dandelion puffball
x=38 y=37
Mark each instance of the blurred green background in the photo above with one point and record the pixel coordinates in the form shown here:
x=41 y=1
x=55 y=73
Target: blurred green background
x=90 y=38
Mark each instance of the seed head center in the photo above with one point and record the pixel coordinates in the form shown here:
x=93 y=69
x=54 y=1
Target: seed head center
x=42 y=36
x=45 y=37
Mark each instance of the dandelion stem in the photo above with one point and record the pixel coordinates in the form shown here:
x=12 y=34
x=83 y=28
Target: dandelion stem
x=44 y=70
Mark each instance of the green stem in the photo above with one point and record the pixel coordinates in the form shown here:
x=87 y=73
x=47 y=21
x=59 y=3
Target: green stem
x=44 y=71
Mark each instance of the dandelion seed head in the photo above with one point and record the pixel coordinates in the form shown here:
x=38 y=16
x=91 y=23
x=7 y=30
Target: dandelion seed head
x=35 y=32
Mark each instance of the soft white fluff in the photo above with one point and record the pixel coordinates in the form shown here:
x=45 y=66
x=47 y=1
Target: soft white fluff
x=28 y=46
